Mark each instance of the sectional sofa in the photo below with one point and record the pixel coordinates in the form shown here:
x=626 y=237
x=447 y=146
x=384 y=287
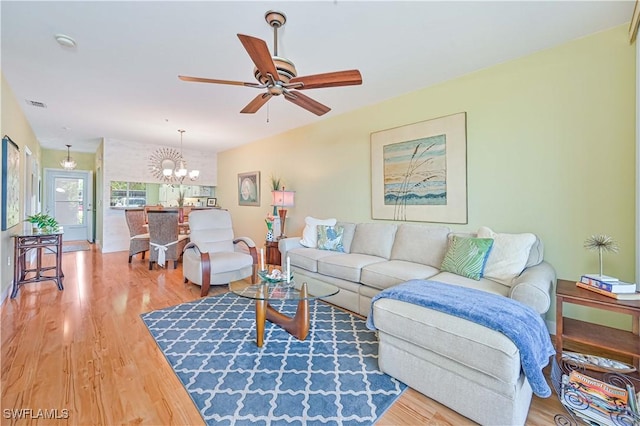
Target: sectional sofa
x=470 y=368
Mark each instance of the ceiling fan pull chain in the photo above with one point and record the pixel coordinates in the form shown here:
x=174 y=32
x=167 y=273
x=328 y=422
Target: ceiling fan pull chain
x=267 y=113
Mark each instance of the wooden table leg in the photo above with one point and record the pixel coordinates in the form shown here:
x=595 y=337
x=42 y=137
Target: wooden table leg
x=261 y=315
x=297 y=326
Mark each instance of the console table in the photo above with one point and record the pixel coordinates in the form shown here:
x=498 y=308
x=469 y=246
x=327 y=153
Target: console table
x=612 y=339
x=51 y=242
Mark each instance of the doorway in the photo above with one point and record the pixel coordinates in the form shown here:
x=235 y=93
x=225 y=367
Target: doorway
x=68 y=198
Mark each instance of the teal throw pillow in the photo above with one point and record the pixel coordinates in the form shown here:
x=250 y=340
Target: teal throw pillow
x=467 y=256
x=330 y=238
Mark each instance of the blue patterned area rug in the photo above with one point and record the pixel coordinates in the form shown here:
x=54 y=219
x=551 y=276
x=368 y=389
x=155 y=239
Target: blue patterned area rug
x=330 y=378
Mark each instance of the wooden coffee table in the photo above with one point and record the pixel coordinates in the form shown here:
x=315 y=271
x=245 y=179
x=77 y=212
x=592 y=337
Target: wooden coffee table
x=263 y=293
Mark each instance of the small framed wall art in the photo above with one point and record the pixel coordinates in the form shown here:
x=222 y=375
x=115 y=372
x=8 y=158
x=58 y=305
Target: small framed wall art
x=249 y=189
x=211 y=202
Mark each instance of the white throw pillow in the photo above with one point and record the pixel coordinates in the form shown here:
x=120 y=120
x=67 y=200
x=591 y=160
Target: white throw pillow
x=509 y=254
x=310 y=231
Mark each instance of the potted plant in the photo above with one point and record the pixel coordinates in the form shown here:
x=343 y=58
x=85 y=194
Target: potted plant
x=42 y=222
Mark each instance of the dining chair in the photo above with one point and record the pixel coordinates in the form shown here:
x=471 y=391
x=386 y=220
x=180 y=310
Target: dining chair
x=149 y=208
x=165 y=243
x=138 y=233
x=213 y=256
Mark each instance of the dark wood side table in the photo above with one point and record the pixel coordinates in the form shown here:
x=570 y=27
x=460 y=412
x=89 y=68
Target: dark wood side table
x=612 y=339
x=26 y=242
x=273 y=253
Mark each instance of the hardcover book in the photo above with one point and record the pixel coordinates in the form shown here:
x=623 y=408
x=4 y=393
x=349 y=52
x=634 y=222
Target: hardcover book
x=613 y=287
x=619 y=296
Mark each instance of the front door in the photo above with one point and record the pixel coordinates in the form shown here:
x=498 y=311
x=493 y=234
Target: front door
x=68 y=199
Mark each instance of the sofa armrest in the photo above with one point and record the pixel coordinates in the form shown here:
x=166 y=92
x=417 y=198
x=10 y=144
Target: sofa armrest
x=534 y=287
x=286 y=244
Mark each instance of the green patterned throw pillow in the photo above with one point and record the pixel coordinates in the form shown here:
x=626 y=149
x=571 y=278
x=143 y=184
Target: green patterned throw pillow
x=330 y=238
x=467 y=256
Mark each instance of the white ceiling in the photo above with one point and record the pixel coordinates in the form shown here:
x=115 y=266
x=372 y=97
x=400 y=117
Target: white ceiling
x=121 y=80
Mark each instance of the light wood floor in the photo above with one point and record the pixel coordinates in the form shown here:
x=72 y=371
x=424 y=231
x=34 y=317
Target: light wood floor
x=86 y=350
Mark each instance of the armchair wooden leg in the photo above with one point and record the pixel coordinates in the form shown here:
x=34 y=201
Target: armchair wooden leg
x=130 y=256
x=150 y=265
x=204 y=290
x=143 y=254
x=175 y=264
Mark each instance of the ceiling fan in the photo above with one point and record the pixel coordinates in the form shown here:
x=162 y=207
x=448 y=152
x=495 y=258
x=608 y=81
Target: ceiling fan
x=279 y=76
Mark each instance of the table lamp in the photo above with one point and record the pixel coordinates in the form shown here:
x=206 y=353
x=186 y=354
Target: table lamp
x=282 y=199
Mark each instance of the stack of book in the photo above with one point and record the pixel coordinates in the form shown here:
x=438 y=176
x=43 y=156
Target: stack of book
x=598 y=402
x=611 y=287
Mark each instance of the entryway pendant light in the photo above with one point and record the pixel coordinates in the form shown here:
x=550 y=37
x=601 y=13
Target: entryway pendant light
x=68 y=163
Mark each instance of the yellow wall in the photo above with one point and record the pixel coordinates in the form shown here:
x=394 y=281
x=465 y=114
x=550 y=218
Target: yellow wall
x=550 y=150
x=51 y=159
x=14 y=124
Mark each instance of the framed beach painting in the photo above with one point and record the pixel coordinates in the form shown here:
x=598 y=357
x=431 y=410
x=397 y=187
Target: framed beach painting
x=249 y=189
x=10 y=183
x=419 y=171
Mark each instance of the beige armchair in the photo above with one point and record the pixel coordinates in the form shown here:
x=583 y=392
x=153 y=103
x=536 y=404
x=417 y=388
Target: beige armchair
x=214 y=256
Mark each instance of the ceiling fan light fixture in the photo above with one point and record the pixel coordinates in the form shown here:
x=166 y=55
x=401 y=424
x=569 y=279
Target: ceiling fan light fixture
x=68 y=163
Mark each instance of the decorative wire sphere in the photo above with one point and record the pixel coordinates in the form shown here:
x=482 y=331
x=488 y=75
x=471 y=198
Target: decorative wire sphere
x=600 y=243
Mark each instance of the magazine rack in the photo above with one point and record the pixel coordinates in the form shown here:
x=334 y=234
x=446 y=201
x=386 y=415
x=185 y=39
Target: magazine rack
x=577 y=404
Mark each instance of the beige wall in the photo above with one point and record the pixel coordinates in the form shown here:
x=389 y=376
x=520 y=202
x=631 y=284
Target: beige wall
x=14 y=124
x=550 y=147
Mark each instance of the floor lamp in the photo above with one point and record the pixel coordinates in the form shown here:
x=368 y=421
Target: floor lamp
x=282 y=199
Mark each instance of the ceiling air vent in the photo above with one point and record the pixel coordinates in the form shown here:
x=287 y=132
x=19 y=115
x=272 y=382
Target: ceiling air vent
x=36 y=104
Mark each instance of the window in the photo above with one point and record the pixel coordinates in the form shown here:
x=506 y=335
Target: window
x=128 y=194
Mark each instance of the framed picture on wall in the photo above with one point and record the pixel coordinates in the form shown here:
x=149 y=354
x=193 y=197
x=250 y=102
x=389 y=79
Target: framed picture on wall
x=211 y=202
x=10 y=183
x=419 y=171
x=249 y=189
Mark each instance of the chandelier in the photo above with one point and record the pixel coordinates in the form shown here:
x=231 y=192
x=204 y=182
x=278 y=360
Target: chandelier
x=168 y=165
x=68 y=163
x=181 y=170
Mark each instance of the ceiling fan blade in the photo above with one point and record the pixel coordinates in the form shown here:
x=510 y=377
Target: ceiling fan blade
x=211 y=80
x=260 y=55
x=329 y=79
x=306 y=102
x=256 y=103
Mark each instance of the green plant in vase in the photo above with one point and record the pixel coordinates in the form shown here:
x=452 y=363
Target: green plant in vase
x=43 y=222
x=181 y=194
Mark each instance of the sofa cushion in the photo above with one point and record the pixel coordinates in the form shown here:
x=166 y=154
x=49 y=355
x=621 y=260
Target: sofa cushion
x=467 y=256
x=466 y=342
x=310 y=231
x=330 y=238
x=347 y=234
x=508 y=256
x=307 y=258
x=345 y=266
x=387 y=274
x=484 y=284
x=375 y=239
x=420 y=244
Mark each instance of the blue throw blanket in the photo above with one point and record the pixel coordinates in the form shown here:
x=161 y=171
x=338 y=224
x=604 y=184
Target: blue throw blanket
x=518 y=322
